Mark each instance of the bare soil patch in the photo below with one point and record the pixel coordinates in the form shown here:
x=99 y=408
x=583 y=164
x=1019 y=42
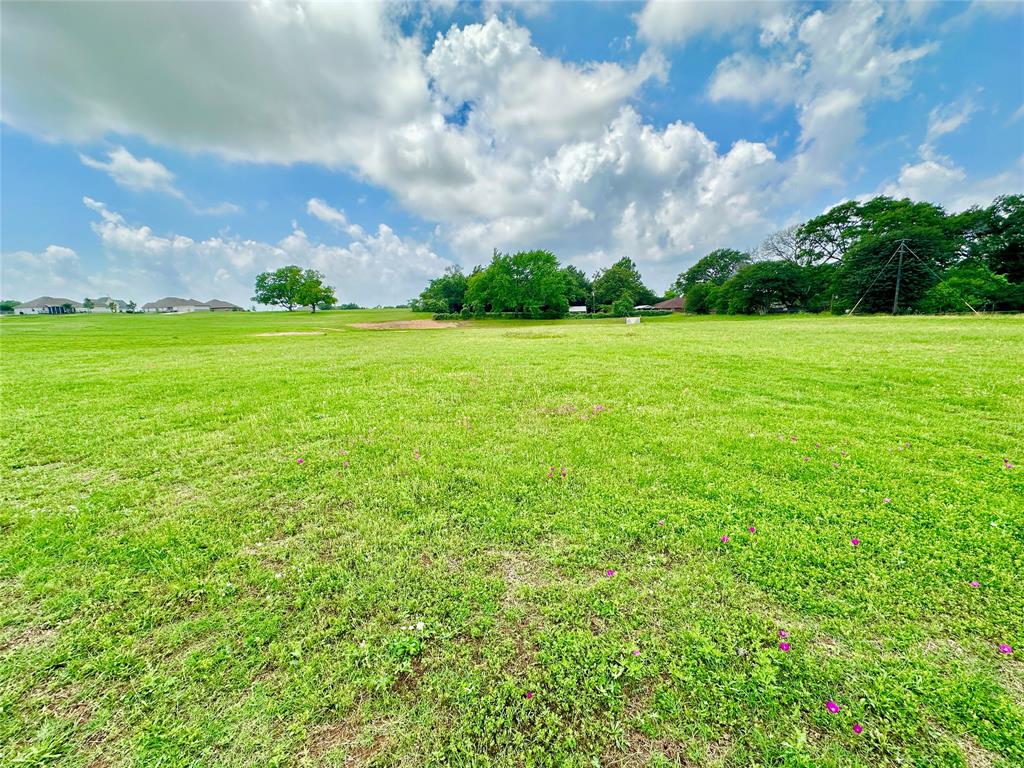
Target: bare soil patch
x=292 y=333
x=403 y=325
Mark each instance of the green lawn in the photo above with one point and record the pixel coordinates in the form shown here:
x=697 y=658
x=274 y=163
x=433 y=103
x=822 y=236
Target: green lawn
x=177 y=589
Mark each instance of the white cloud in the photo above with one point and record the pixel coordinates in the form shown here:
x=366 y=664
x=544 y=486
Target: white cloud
x=664 y=22
x=143 y=265
x=147 y=175
x=942 y=181
x=55 y=271
x=948 y=118
x=318 y=209
x=478 y=131
x=837 y=63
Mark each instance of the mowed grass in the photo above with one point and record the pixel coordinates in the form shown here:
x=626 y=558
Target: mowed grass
x=176 y=589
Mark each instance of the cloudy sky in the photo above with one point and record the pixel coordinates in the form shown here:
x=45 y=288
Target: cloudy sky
x=157 y=148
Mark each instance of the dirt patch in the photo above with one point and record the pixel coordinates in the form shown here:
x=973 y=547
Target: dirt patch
x=31 y=637
x=976 y=755
x=291 y=333
x=345 y=735
x=403 y=325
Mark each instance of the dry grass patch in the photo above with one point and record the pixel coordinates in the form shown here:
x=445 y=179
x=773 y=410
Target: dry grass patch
x=403 y=325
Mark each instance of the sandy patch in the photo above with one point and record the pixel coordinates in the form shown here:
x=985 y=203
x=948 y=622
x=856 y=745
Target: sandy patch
x=404 y=325
x=292 y=333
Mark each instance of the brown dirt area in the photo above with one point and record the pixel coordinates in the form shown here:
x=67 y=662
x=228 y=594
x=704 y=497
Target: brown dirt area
x=403 y=325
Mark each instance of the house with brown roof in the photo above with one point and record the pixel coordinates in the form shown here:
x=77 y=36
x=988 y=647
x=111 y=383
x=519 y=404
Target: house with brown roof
x=175 y=304
x=218 y=305
x=676 y=304
x=48 y=305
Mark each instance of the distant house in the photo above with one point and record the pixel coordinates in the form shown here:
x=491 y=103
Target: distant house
x=677 y=304
x=102 y=304
x=217 y=305
x=580 y=310
x=48 y=305
x=174 y=304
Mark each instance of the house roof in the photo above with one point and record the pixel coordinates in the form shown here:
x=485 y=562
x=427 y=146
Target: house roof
x=678 y=302
x=103 y=301
x=219 y=303
x=48 y=301
x=173 y=301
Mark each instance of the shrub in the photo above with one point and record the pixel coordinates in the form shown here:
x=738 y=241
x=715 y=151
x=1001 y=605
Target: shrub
x=623 y=307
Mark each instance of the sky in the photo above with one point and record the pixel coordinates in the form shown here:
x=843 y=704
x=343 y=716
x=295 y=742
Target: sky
x=154 y=149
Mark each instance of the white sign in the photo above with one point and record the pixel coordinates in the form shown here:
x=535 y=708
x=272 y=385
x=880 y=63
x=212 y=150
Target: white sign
x=632 y=321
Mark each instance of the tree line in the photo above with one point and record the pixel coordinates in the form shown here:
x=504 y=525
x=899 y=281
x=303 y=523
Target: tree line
x=952 y=262
x=533 y=284
x=828 y=264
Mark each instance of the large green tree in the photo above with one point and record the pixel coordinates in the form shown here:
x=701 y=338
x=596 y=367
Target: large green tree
x=863 y=236
x=757 y=288
x=998 y=237
x=578 y=288
x=314 y=292
x=279 y=288
x=528 y=282
x=622 y=279
x=291 y=287
x=715 y=268
x=446 y=293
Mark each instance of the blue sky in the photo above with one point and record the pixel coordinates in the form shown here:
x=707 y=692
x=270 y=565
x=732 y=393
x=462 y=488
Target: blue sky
x=180 y=149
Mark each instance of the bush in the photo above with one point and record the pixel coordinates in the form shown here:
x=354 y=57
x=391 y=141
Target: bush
x=623 y=307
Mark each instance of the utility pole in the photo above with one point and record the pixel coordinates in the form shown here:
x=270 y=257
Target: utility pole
x=899 y=277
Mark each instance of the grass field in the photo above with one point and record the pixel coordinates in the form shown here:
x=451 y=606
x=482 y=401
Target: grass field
x=361 y=547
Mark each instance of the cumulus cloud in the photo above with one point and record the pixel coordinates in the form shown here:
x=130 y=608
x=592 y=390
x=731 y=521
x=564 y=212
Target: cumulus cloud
x=55 y=271
x=830 y=65
x=478 y=130
x=670 y=21
x=942 y=181
x=145 y=265
x=147 y=175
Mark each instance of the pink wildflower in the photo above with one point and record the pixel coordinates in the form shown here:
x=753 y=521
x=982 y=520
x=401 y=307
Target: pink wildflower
x=610 y=572
x=855 y=542
x=752 y=529
x=661 y=522
x=1004 y=648
x=784 y=647
x=300 y=461
x=528 y=695
x=975 y=584
x=831 y=706
x=783 y=634
x=887 y=500
x=636 y=651
x=725 y=539
x=858 y=728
